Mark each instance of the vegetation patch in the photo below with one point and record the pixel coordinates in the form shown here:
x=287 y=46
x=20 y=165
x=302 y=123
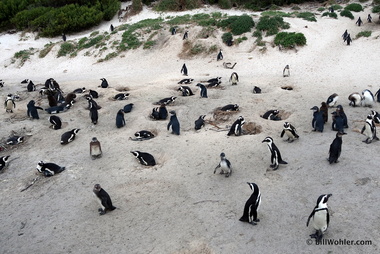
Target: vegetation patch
x=24 y=55
x=66 y=48
x=290 y=40
x=47 y=48
x=354 y=7
x=309 y=16
x=364 y=34
x=346 y=13
x=237 y=24
x=271 y=25
x=330 y=14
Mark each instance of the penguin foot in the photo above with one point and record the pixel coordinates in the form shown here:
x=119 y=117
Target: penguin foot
x=314 y=236
x=272 y=165
x=227 y=175
x=101 y=211
x=253 y=223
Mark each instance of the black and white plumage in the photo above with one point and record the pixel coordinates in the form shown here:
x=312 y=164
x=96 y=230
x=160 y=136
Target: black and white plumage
x=320 y=217
x=219 y=56
x=4 y=162
x=120 y=121
x=355 y=99
x=215 y=80
x=367 y=98
x=332 y=100
x=186 y=91
x=375 y=116
x=369 y=130
x=49 y=169
x=256 y=89
x=69 y=136
x=186 y=81
x=184 y=69
x=15 y=140
x=70 y=98
x=32 y=110
x=9 y=104
x=166 y=101
x=174 y=123
x=144 y=135
x=58 y=109
x=377 y=95
x=95 y=148
x=214 y=84
x=104 y=83
x=92 y=103
x=224 y=166
x=94 y=115
x=121 y=96
x=104 y=199
x=185 y=35
x=286 y=71
x=203 y=90
x=30 y=85
x=236 y=128
x=159 y=113
x=80 y=90
x=230 y=107
x=272 y=115
x=275 y=158
x=234 y=78
x=56 y=122
x=2 y=83
x=336 y=148
x=200 y=122
x=64 y=37
x=317 y=123
x=252 y=205
x=128 y=108
x=145 y=159
x=94 y=94
x=290 y=131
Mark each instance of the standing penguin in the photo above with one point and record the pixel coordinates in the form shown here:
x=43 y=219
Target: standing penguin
x=219 y=56
x=185 y=35
x=203 y=90
x=63 y=37
x=120 y=121
x=94 y=115
x=337 y=121
x=200 y=122
x=286 y=71
x=369 y=129
x=160 y=113
x=234 y=78
x=69 y=136
x=252 y=205
x=332 y=100
x=290 y=131
x=224 y=165
x=184 y=69
x=9 y=104
x=377 y=94
x=336 y=148
x=317 y=122
x=104 y=83
x=30 y=87
x=344 y=35
x=111 y=28
x=275 y=158
x=32 y=110
x=56 y=122
x=95 y=148
x=359 y=22
x=325 y=111
x=320 y=217
x=348 y=40
x=104 y=199
x=339 y=109
x=174 y=123
x=236 y=128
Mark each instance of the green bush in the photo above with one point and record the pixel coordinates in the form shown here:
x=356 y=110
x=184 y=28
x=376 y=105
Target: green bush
x=175 y=5
x=197 y=49
x=336 y=7
x=136 y=6
x=47 y=48
x=227 y=37
x=276 y=13
x=149 y=44
x=364 y=34
x=321 y=9
x=346 y=13
x=376 y=9
x=225 y=4
x=24 y=55
x=330 y=14
x=66 y=48
x=354 y=7
x=271 y=25
x=307 y=16
x=237 y=24
x=289 y=40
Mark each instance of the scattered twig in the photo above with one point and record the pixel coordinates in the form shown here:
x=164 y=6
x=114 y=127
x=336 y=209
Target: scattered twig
x=33 y=182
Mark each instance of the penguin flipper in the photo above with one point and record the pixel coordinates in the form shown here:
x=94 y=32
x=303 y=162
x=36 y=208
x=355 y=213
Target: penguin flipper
x=282 y=133
x=308 y=219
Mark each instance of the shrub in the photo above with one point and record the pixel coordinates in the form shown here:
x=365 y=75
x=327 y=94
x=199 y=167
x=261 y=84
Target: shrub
x=346 y=13
x=354 y=7
x=237 y=24
x=24 y=55
x=271 y=25
x=197 y=49
x=136 y=6
x=330 y=14
x=213 y=49
x=336 y=7
x=227 y=38
x=321 y=9
x=289 y=40
x=225 y=4
x=376 y=9
x=149 y=44
x=174 y=5
x=66 y=48
x=307 y=16
x=276 y=13
x=47 y=48
x=364 y=34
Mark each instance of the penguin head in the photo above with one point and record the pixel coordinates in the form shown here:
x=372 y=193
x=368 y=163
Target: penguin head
x=173 y=98
x=370 y=117
x=39 y=166
x=20 y=139
x=172 y=112
x=137 y=134
x=322 y=200
x=315 y=109
x=5 y=158
x=276 y=111
x=135 y=153
x=339 y=108
x=236 y=107
x=94 y=139
x=97 y=187
x=286 y=125
x=340 y=134
x=253 y=186
x=268 y=140
x=222 y=155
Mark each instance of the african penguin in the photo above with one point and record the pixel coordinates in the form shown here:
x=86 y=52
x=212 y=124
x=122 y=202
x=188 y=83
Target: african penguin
x=252 y=205
x=224 y=165
x=184 y=69
x=203 y=90
x=32 y=110
x=30 y=87
x=186 y=91
x=369 y=130
x=272 y=115
x=200 y=122
x=174 y=123
x=186 y=81
x=160 y=113
x=290 y=131
x=332 y=100
x=219 y=56
x=145 y=159
x=93 y=94
x=15 y=140
x=320 y=217
x=234 y=78
x=317 y=123
x=236 y=128
x=230 y=107
x=275 y=158
x=57 y=109
x=3 y=162
x=325 y=111
x=213 y=84
x=120 y=121
x=80 y=90
x=336 y=148
x=215 y=80
x=95 y=148
x=104 y=83
x=128 y=108
x=337 y=121
x=367 y=98
x=166 y=101
x=2 y=83
x=121 y=96
x=92 y=103
x=256 y=89
x=355 y=99
x=143 y=135
x=69 y=136
x=339 y=109
x=70 y=98
x=56 y=122
x=104 y=199
x=49 y=169
x=377 y=94
x=94 y=115
x=9 y=104
x=286 y=71
x=375 y=116
x=185 y=35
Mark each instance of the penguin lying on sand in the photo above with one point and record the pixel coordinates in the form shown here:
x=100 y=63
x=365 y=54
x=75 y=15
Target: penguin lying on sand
x=49 y=169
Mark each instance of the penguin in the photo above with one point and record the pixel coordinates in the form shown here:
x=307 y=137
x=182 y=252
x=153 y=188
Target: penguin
x=336 y=147
x=200 y=122
x=219 y=56
x=111 y=28
x=173 y=30
x=256 y=89
x=317 y=123
x=104 y=200
x=128 y=108
x=120 y=121
x=15 y=140
x=252 y=205
x=234 y=78
x=186 y=81
x=143 y=135
x=51 y=98
x=332 y=100
x=104 y=83
x=32 y=110
x=160 y=113
x=174 y=123
x=92 y=103
x=325 y=111
x=121 y=96
x=70 y=98
x=339 y=109
x=94 y=115
x=203 y=90
x=344 y=35
x=185 y=35
x=337 y=121
x=69 y=136
x=145 y=159
x=2 y=83
x=57 y=109
x=166 y=101
x=30 y=87
x=375 y=116
x=9 y=104
x=272 y=115
x=320 y=217
x=236 y=128
x=215 y=80
x=224 y=165
x=367 y=98
x=230 y=107
x=214 y=84
x=56 y=122
x=184 y=69
x=49 y=169
x=95 y=148
x=355 y=99
x=290 y=131
x=186 y=91
x=377 y=94
x=64 y=37
x=59 y=97
x=286 y=71
x=94 y=94
x=275 y=158
x=4 y=162
x=80 y=90
x=369 y=129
